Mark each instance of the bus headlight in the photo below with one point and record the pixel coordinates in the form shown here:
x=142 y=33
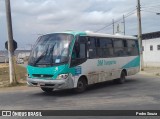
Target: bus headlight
x=62 y=76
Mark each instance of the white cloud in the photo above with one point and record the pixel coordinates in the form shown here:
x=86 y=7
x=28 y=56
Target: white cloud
x=31 y=17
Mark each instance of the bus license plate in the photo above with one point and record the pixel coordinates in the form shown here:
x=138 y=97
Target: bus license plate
x=41 y=83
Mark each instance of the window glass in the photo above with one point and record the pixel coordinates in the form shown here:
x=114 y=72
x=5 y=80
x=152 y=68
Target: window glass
x=131 y=43
x=79 y=50
x=51 y=49
x=132 y=47
x=118 y=48
x=118 y=43
x=82 y=53
x=151 y=47
x=104 y=47
x=158 y=47
x=103 y=43
x=92 y=48
x=108 y=52
x=125 y=44
x=99 y=47
x=125 y=49
x=79 y=54
x=142 y=48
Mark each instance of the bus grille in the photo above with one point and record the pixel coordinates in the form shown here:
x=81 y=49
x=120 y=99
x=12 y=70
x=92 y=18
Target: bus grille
x=35 y=84
x=42 y=75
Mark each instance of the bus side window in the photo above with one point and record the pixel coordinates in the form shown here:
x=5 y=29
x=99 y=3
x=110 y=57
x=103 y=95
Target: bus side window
x=125 y=47
x=76 y=51
x=79 y=53
x=132 y=48
x=107 y=47
x=92 y=48
x=80 y=48
x=118 y=48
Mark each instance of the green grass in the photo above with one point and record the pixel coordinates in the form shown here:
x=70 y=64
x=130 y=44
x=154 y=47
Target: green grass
x=20 y=76
x=20 y=72
x=157 y=74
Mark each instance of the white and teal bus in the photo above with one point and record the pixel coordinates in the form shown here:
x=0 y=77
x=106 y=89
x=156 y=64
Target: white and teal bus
x=74 y=60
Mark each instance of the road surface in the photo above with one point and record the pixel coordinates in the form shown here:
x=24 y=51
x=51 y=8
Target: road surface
x=140 y=92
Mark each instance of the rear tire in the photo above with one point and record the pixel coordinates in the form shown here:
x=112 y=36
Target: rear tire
x=81 y=85
x=122 y=79
x=47 y=90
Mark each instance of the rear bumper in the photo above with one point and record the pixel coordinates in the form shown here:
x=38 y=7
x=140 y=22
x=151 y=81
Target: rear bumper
x=56 y=84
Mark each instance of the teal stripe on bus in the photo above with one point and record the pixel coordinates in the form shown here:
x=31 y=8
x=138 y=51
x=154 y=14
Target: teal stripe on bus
x=134 y=63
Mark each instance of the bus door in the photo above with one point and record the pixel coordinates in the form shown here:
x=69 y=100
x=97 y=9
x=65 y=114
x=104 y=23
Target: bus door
x=79 y=53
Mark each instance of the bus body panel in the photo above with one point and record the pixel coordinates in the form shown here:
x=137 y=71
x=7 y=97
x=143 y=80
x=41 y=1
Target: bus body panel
x=99 y=70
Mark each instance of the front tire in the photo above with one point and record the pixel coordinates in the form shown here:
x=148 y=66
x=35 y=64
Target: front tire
x=81 y=85
x=47 y=90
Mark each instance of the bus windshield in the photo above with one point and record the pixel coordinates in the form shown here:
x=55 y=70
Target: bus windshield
x=51 y=49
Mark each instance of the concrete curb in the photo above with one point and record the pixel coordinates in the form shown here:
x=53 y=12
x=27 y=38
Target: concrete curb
x=149 y=74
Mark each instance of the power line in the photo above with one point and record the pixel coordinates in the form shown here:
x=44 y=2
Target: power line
x=150 y=11
x=131 y=11
x=118 y=20
x=152 y=4
x=103 y=27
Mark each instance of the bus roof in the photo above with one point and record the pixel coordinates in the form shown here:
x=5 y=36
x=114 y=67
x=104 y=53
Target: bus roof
x=89 y=33
x=110 y=35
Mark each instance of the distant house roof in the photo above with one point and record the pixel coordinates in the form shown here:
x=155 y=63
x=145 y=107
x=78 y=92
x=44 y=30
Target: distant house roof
x=151 y=35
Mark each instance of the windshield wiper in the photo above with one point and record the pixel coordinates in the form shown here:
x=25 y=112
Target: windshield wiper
x=44 y=54
x=41 y=56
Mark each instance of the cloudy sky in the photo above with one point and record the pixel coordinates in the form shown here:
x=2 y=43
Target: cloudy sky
x=34 y=17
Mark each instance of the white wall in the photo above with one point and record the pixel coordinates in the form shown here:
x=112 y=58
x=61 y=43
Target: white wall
x=23 y=55
x=3 y=59
x=151 y=58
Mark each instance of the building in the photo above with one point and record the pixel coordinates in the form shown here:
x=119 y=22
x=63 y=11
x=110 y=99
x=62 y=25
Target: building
x=20 y=54
x=23 y=55
x=3 y=59
x=151 y=49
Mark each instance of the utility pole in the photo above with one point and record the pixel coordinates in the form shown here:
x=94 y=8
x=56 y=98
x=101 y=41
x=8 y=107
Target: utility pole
x=113 y=25
x=124 y=23
x=140 y=34
x=10 y=43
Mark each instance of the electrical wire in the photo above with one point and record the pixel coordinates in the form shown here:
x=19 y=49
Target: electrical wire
x=125 y=16
x=133 y=11
x=150 y=11
x=157 y=3
x=156 y=6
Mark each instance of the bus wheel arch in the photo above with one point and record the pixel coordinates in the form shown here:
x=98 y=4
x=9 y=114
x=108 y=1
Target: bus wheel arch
x=125 y=71
x=122 y=78
x=81 y=84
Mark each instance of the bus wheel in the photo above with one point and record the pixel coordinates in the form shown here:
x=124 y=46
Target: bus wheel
x=122 y=79
x=47 y=90
x=81 y=85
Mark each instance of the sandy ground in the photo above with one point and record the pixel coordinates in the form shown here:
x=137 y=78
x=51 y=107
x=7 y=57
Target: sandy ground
x=2 y=65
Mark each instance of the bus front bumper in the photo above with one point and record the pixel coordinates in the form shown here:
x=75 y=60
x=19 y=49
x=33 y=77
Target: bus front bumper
x=56 y=84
